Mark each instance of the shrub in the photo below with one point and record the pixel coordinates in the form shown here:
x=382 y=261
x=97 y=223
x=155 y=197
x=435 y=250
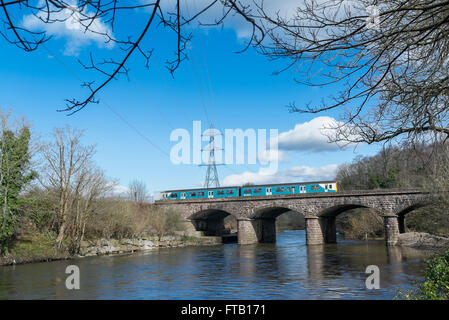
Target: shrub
x=125 y=219
x=436 y=283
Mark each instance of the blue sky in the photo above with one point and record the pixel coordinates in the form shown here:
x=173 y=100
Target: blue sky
x=234 y=90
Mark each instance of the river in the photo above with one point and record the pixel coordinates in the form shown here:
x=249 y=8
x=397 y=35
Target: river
x=286 y=270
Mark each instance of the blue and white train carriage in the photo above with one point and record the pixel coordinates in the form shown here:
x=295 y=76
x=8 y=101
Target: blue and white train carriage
x=251 y=190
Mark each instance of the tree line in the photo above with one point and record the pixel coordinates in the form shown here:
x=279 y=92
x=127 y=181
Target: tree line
x=401 y=166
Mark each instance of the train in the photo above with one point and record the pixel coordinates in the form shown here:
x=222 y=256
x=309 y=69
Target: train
x=251 y=190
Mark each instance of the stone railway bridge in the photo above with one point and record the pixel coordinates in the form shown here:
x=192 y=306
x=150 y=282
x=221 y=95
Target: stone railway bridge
x=256 y=215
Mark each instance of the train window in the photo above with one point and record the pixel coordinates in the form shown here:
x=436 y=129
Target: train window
x=200 y=194
x=173 y=195
x=325 y=186
x=247 y=191
x=280 y=189
x=290 y=189
x=330 y=186
x=193 y=194
x=220 y=192
x=258 y=190
x=230 y=192
x=314 y=188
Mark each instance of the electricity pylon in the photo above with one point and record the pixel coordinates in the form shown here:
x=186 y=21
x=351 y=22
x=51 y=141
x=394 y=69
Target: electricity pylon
x=211 y=173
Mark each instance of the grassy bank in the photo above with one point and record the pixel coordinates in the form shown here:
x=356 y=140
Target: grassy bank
x=38 y=248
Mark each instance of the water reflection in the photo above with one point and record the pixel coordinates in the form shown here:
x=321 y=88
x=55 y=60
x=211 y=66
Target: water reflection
x=286 y=270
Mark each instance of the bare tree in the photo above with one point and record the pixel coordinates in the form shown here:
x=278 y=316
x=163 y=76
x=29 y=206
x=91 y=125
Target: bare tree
x=389 y=61
x=70 y=173
x=93 y=185
x=138 y=191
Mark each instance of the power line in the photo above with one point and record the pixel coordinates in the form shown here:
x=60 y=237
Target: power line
x=107 y=105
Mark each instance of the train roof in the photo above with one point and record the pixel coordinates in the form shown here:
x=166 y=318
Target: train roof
x=255 y=186
x=201 y=189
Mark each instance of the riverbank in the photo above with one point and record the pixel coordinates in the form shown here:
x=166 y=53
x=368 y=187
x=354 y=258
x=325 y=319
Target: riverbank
x=43 y=249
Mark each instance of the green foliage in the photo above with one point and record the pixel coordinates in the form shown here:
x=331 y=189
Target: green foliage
x=384 y=180
x=15 y=174
x=436 y=283
x=39 y=210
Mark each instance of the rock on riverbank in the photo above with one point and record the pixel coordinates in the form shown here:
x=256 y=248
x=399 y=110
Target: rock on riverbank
x=423 y=240
x=40 y=249
x=113 y=246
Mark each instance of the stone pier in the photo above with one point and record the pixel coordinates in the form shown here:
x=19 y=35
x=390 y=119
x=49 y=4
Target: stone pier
x=256 y=231
x=314 y=232
x=391 y=229
x=246 y=233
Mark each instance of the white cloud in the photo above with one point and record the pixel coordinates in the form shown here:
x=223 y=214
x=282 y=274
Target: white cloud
x=293 y=174
x=68 y=26
x=311 y=136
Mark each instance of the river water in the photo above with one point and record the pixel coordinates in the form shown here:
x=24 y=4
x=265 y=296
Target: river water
x=286 y=270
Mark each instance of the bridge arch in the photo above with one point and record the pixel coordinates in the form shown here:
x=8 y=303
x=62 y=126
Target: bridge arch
x=261 y=222
x=211 y=221
x=334 y=211
x=270 y=212
x=404 y=211
x=327 y=218
x=209 y=213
